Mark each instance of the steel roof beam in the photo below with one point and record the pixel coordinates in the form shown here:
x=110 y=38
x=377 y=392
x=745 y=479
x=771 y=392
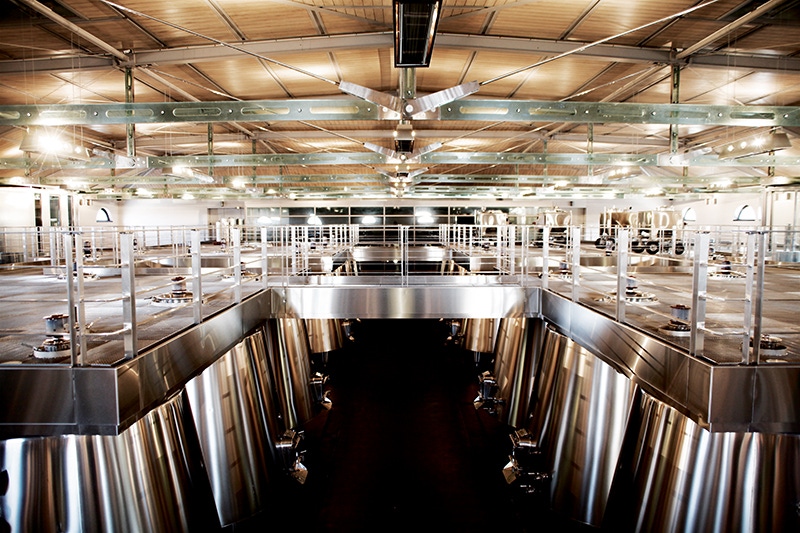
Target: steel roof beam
x=372 y=41
x=373 y=158
x=338 y=109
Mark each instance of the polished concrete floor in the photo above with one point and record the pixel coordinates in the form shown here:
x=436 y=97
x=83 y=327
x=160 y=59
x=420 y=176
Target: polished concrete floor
x=403 y=447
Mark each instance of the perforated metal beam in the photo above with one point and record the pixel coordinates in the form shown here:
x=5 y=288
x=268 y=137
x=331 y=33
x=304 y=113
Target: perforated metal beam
x=338 y=109
x=372 y=158
x=379 y=40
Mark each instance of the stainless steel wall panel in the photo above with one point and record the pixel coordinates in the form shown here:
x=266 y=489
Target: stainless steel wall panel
x=777 y=391
x=228 y=417
x=731 y=400
x=25 y=410
x=677 y=476
x=401 y=302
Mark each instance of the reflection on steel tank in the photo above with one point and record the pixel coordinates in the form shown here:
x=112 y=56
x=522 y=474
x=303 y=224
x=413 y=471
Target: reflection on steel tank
x=677 y=476
x=237 y=449
x=515 y=361
x=479 y=334
x=148 y=478
x=578 y=421
x=324 y=334
x=292 y=370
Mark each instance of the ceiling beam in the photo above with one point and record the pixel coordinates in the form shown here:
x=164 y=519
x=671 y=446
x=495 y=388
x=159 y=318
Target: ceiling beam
x=384 y=40
x=345 y=109
x=741 y=21
x=77 y=30
x=373 y=158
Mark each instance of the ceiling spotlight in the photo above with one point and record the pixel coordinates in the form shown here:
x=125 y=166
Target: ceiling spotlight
x=770 y=142
x=415 y=23
x=404 y=139
x=186 y=172
x=41 y=142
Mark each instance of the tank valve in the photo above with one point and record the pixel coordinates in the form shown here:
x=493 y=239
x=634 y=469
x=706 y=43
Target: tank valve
x=525 y=464
x=289 y=448
x=487 y=388
x=317 y=384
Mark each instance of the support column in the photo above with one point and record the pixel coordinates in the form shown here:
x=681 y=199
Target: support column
x=674 y=98
x=210 y=148
x=130 y=129
x=699 y=293
x=127 y=266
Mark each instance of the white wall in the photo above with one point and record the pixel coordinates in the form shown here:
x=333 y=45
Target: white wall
x=17 y=207
x=720 y=209
x=164 y=212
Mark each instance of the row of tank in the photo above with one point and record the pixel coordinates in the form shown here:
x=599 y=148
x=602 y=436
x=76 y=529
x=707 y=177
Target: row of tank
x=653 y=230
x=214 y=453
x=605 y=452
x=600 y=448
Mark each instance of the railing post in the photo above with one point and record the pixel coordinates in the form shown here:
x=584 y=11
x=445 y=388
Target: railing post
x=758 y=296
x=545 y=256
x=699 y=293
x=80 y=298
x=127 y=267
x=53 y=248
x=576 y=263
x=237 y=264
x=197 y=283
x=70 y=279
x=25 y=257
x=622 y=272
x=264 y=258
x=525 y=235
x=512 y=244
x=747 y=317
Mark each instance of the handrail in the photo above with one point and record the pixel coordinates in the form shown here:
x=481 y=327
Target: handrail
x=222 y=268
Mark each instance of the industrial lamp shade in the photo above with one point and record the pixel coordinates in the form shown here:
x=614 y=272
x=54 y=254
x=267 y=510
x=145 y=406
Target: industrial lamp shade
x=415 y=23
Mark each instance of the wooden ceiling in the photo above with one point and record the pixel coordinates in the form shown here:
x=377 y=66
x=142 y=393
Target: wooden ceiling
x=698 y=57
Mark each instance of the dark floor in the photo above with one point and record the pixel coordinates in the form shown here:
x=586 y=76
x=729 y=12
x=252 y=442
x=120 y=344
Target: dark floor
x=403 y=448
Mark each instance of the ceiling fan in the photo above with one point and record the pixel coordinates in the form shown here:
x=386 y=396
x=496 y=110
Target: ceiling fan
x=415 y=23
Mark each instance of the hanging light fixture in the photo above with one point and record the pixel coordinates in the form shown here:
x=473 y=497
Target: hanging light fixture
x=47 y=143
x=759 y=144
x=415 y=23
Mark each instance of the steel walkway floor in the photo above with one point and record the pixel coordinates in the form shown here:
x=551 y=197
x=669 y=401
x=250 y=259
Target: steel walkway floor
x=403 y=448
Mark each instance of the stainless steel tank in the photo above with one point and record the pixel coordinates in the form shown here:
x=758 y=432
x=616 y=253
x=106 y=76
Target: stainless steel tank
x=515 y=357
x=324 y=334
x=233 y=432
x=580 y=427
x=479 y=334
x=292 y=370
x=681 y=477
x=148 y=478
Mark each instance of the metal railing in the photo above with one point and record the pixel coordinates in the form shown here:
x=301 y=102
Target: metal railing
x=725 y=292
